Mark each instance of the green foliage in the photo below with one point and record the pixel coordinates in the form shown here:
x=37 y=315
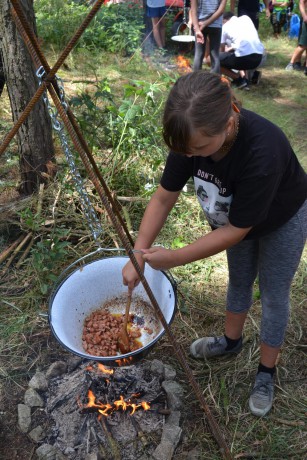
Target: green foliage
x=46 y=254
x=123 y=125
x=48 y=250
x=57 y=20
x=115 y=28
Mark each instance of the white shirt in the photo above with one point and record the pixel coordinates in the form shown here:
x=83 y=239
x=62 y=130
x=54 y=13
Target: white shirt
x=242 y=36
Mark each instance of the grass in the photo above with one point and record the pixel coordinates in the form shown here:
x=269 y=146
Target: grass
x=26 y=342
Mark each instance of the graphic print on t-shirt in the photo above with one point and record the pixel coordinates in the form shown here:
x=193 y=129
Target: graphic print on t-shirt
x=215 y=206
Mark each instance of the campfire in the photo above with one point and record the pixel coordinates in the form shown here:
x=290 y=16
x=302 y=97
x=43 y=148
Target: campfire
x=183 y=64
x=106 y=409
x=96 y=412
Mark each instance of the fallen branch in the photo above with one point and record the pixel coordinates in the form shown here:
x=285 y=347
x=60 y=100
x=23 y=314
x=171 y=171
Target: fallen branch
x=291 y=422
x=16 y=251
x=25 y=253
x=4 y=255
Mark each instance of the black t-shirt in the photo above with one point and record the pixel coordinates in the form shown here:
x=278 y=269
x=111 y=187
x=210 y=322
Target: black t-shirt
x=259 y=183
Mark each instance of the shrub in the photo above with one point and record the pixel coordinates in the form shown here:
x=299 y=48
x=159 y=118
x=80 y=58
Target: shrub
x=115 y=28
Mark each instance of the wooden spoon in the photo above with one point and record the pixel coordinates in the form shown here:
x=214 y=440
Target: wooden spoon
x=123 y=337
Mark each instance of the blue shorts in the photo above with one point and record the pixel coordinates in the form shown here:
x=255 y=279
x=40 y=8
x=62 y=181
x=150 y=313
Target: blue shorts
x=155 y=12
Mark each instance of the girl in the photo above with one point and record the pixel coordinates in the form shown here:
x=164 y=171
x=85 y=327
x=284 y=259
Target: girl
x=253 y=192
x=279 y=12
x=207 y=22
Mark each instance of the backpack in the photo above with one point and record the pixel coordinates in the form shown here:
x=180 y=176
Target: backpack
x=294 y=28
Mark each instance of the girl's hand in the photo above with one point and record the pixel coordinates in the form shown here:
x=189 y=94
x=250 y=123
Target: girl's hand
x=159 y=258
x=130 y=276
x=199 y=37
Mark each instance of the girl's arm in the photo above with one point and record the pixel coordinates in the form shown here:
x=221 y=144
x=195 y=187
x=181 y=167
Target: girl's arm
x=158 y=208
x=198 y=33
x=212 y=243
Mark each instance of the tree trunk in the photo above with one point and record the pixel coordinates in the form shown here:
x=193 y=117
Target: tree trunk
x=34 y=138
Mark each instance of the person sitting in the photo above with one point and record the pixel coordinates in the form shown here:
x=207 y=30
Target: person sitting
x=244 y=48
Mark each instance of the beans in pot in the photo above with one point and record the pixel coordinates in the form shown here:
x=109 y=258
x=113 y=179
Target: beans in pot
x=101 y=330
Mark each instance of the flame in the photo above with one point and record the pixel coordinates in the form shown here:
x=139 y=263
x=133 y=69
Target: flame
x=107 y=409
x=183 y=63
x=105 y=370
x=124 y=361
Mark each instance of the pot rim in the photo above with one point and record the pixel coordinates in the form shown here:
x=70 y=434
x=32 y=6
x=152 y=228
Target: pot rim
x=107 y=359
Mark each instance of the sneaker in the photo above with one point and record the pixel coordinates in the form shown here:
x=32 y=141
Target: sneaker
x=239 y=83
x=295 y=66
x=261 y=399
x=208 y=347
x=256 y=77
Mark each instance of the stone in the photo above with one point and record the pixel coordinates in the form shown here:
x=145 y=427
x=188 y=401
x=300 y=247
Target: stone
x=170 y=438
x=33 y=399
x=56 y=369
x=164 y=451
x=48 y=452
x=73 y=363
x=39 y=382
x=24 y=417
x=93 y=456
x=173 y=418
x=157 y=368
x=174 y=394
x=37 y=434
x=169 y=372
x=194 y=454
x=171 y=433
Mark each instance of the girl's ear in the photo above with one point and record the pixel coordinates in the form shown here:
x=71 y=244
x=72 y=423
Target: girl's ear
x=230 y=124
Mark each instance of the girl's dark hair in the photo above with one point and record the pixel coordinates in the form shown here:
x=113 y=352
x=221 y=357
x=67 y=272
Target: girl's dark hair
x=198 y=101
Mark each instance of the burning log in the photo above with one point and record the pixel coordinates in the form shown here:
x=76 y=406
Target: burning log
x=107 y=408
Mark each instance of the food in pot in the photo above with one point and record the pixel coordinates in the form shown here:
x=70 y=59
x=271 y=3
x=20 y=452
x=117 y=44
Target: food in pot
x=102 y=327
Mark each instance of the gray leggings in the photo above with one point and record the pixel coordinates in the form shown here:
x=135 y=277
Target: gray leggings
x=214 y=34
x=274 y=258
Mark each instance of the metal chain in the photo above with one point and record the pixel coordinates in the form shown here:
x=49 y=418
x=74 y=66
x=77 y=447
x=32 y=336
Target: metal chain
x=87 y=207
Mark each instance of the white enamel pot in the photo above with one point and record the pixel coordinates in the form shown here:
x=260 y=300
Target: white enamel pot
x=87 y=287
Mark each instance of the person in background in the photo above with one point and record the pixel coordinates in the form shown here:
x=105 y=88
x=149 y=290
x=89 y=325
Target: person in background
x=251 y=9
x=156 y=10
x=295 y=62
x=207 y=22
x=244 y=48
x=253 y=191
x=279 y=15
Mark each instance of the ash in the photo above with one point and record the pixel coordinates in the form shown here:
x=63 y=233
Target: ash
x=80 y=431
